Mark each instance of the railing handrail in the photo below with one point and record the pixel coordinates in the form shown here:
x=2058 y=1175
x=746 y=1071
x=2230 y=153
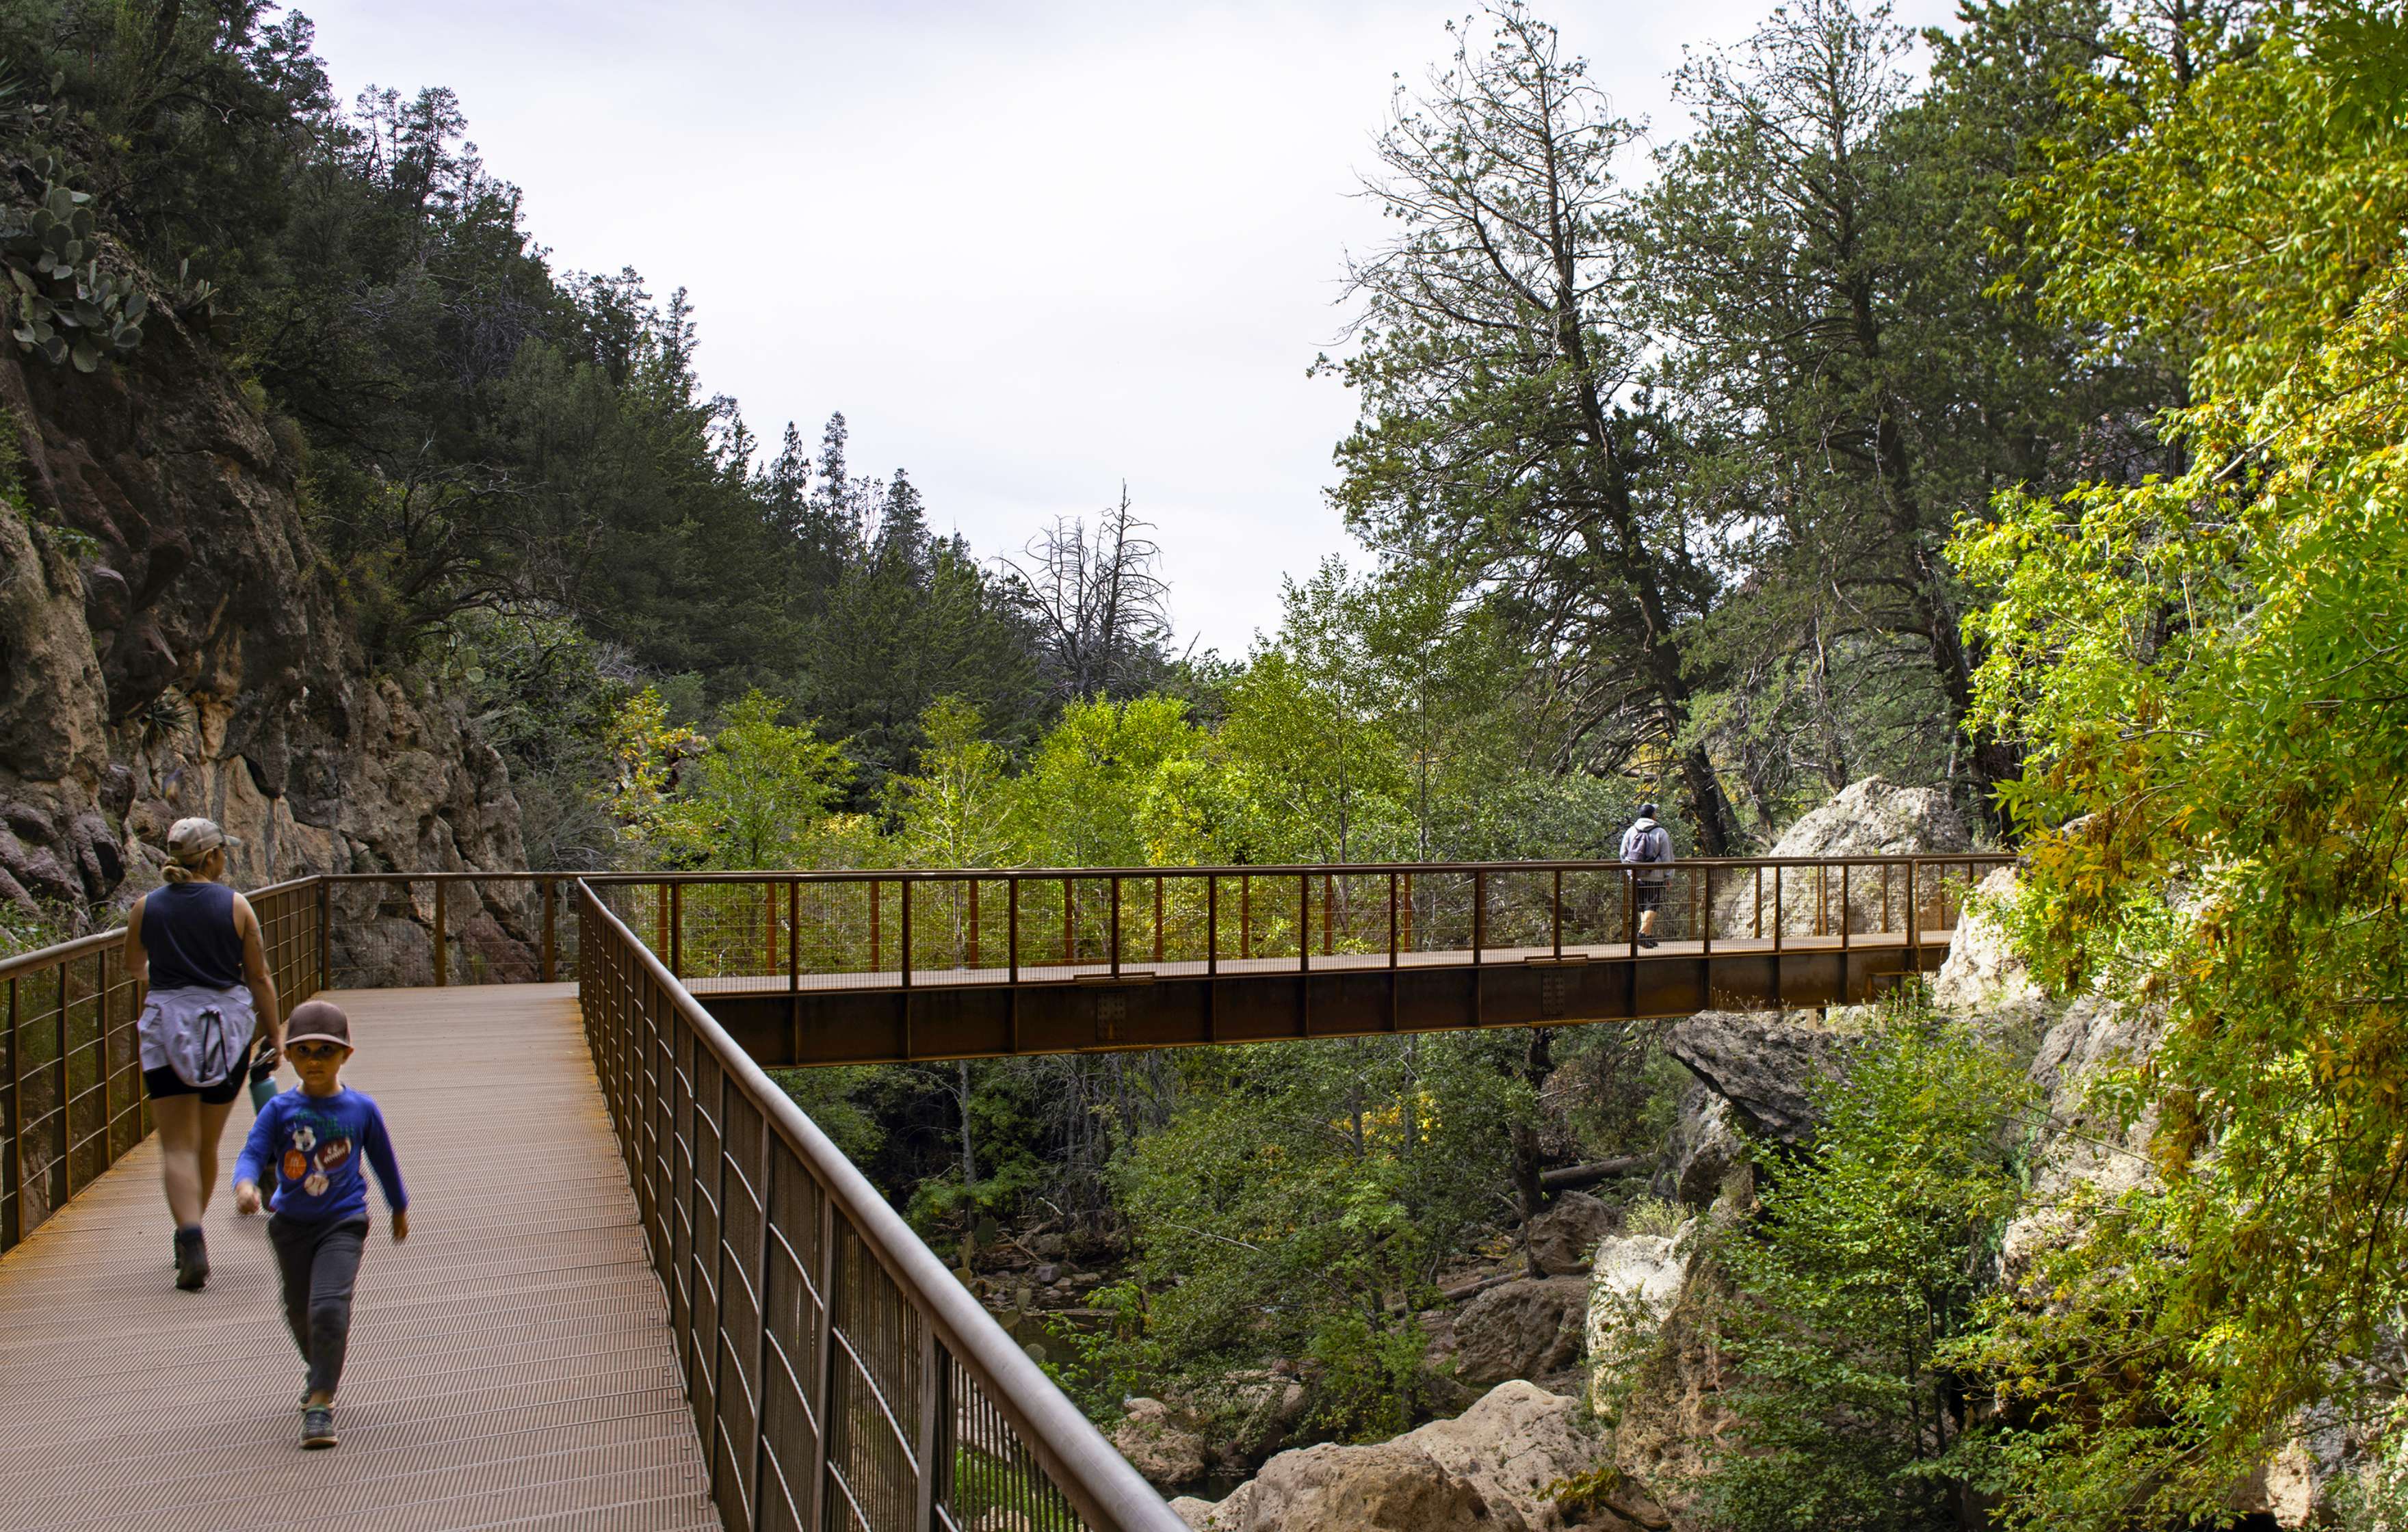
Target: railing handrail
x=1086 y=1467
x=1259 y=869
x=75 y=947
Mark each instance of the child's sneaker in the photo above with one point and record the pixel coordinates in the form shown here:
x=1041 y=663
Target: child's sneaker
x=191 y=1259
x=318 y=1426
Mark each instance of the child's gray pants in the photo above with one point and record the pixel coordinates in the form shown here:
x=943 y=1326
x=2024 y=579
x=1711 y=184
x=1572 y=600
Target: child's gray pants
x=318 y=1263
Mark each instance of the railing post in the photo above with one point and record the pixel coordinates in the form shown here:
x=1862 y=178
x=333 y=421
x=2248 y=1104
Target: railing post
x=1328 y=914
x=1211 y=924
x=1303 y=921
x=551 y=918
x=903 y=936
x=1630 y=913
x=972 y=956
x=1913 y=921
x=1706 y=910
x=823 y=1373
x=1069 y=925
x=1116 y=927
x=793 y=935
x=65 y=1097
x=1758 y=930
x=1011 y=921
x=875 y=889
x=1157 y=917
x=1391 y=920
x=1556 y=912
x=1479 y=916
x=925 y=1430
x=769 y=927
x=1405 y=915
x=677 y=932
x=1245 y=915
x=442 y=952
x=1843 y=917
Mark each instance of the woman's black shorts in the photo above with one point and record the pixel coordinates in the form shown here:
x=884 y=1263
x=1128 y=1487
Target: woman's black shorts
x=165 y=1082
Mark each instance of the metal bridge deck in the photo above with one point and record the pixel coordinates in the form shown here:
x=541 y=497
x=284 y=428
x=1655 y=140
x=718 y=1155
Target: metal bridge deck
x=510 y=1366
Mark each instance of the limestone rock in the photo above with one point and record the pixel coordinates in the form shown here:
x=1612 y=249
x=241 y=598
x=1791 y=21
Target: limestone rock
x=1159 y=1445
x=1489 y=1468
x=1700 y=1152
x=173 y=642
x=1562 y=1236
x=1389 y=1486
x=1762 y=1064
x=1867 y=818
x=1524 y=1329
x=1636 y=1281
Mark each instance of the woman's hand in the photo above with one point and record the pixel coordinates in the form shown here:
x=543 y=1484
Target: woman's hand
x=246 y=1197
x=400 y=1226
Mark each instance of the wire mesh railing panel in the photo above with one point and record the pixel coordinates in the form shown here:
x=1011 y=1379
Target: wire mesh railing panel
x=71 y=1095
x=874 y=1390
x=990 y=1478
x=793 y=1317
x=702 y=1280
x=827 y=1395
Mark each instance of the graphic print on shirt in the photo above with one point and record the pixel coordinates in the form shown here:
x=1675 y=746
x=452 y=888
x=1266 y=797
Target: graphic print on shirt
x=299 y=1160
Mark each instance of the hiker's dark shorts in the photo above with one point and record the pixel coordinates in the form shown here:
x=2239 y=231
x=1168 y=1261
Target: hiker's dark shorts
x=164 y=1081
x=1651 y=896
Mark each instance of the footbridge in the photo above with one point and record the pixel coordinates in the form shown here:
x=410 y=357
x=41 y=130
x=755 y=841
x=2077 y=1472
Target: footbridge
x=643 y=1290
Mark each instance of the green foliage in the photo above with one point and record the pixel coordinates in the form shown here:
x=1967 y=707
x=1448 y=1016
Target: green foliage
x=757 y=795
x=1299 y=1202
x=2206 y=667
x=1862 y=1266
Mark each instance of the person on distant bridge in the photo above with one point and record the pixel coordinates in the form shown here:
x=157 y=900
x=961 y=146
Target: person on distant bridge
x=308 y=1143
x=195 y=942
x=1648 y=843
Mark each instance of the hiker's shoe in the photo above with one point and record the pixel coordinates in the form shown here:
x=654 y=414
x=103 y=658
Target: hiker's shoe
x=1647 y=941
x=318 y=1426
x=191 y=1259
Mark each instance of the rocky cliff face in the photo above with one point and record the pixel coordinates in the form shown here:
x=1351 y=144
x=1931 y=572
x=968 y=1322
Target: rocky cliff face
x=172 y=643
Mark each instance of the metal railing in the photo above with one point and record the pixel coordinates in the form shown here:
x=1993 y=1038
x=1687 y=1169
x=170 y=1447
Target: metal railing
x=764 y=932
x=72 y=1067
x=839 y=1376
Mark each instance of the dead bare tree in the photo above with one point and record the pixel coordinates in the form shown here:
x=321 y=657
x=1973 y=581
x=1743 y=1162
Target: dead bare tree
x=1099 y=601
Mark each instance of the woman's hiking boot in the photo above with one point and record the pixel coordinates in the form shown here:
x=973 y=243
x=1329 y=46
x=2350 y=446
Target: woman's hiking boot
x=191 y=1259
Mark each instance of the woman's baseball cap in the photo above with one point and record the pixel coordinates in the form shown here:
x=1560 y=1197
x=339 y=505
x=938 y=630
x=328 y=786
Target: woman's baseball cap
x=318 y=1021
x=191 y=841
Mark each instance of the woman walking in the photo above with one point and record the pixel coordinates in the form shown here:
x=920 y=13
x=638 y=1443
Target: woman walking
x=196 y=942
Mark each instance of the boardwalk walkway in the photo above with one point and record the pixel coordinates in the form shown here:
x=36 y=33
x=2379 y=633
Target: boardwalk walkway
x=511 y=1365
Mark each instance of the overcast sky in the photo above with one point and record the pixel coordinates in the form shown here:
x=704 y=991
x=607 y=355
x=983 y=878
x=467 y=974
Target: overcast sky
x=1029 y=251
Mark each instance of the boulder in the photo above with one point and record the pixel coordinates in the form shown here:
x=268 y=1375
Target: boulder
x=1490 y=1469
x=1633 y=1285
x=1388 y=1486
x=1522 y=1329
x=1562 y=1236
x=1867 y=818
x=1247 y=1417
x=1700 y=1152
x=1159 y=1445
x=1762 y=1064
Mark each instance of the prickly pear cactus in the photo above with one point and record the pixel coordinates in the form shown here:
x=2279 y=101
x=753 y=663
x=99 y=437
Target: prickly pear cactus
x=62 y=306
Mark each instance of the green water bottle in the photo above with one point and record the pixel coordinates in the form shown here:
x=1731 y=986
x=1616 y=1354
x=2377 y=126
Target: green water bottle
x=263 y=1075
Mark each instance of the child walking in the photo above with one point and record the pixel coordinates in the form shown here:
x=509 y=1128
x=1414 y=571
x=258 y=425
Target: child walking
x=312 y=1138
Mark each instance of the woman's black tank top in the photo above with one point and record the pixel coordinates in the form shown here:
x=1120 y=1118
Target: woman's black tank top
x=188 y=930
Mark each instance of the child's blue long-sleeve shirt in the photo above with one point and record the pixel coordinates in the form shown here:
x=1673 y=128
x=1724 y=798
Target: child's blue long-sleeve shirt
x=312 y=1144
